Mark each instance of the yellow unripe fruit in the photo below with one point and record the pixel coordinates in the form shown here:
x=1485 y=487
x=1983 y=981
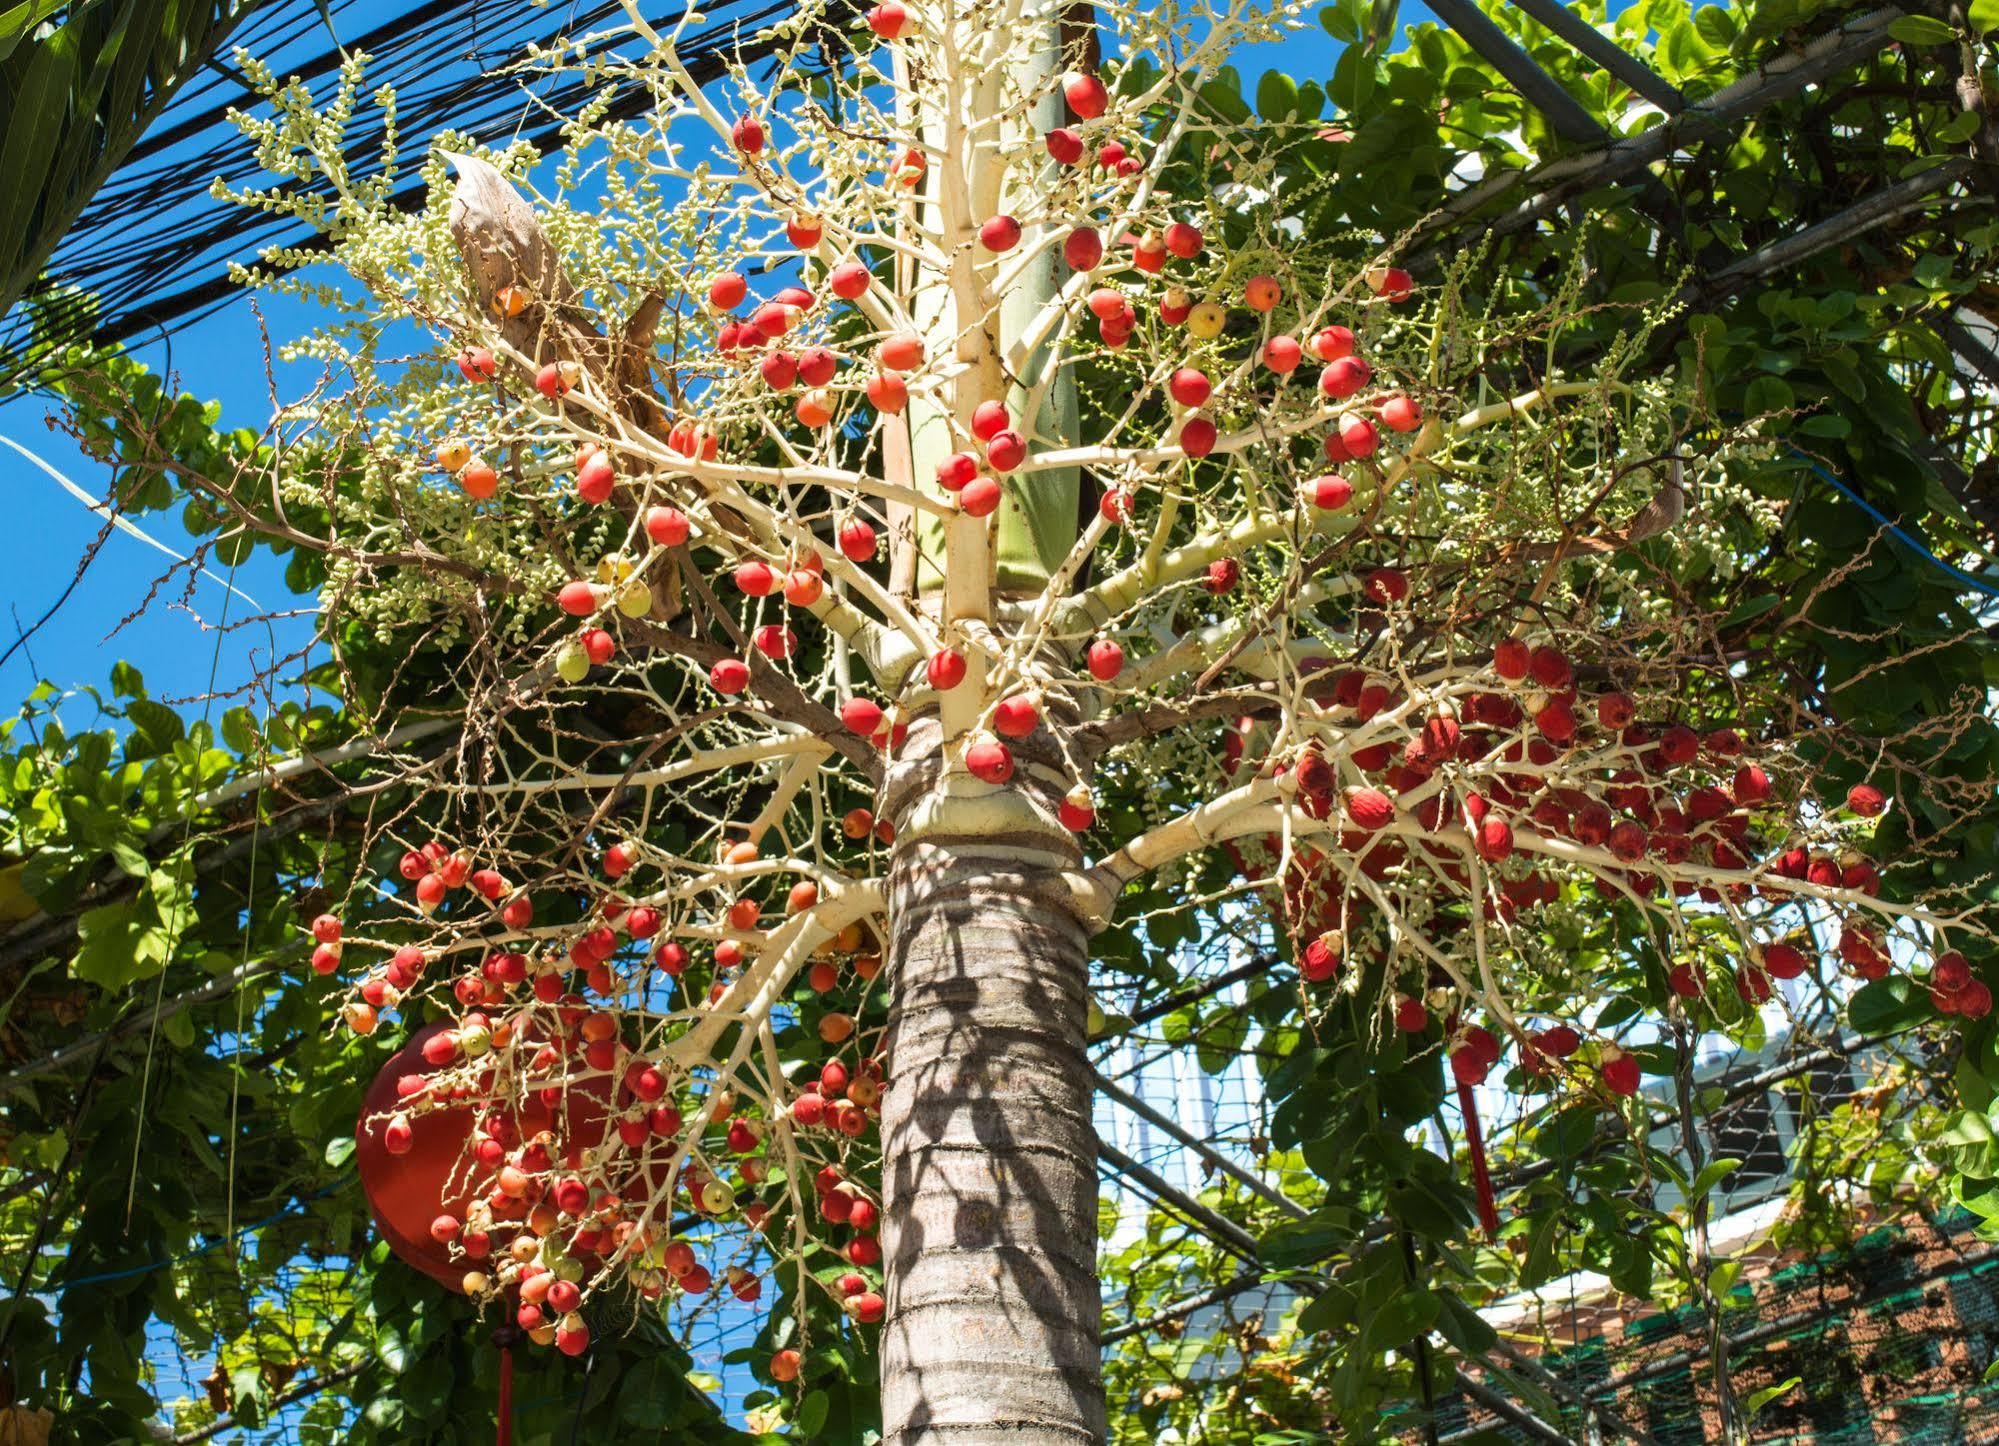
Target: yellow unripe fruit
x=1206 y=320
x=717 y=1197
x=453 y=455
x=635 y=599
x=572 y=664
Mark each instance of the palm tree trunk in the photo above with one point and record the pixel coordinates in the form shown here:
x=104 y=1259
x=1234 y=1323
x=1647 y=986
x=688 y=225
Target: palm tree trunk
x=989 y=1155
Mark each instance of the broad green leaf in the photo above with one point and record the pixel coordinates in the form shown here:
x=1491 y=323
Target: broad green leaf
x=1921 y=30
x=1712 y=1174
x=812 y=1413
x=1276 y=96
x=1757 y=1400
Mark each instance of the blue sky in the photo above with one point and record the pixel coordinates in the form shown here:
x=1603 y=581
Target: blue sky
x=218 y=357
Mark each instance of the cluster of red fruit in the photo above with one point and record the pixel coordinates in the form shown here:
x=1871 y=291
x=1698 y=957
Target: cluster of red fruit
x=1498 y=765
x=1345 y=374
x=574 y=1130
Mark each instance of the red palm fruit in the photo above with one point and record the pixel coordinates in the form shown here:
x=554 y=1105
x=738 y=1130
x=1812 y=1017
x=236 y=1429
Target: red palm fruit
x=727 y=290
x=1358 y=436
x=1115 y=506
x=946 y=669
x=1329 y=493
x=888 y=393
x=989 y=419
x=1107 y=303
x=1344 y=377
x=1331 y=343
x=1752 y=785
x=1369 y=808
x=1494 y=840
x=804 y=232
x=980 y=497
x=1064 y=145
x=1550 y=668
x=1262 y=293
x=1105 y=659
x=1558 y=1041
x=1401 y=414
x=1510 y=659
x=1183 y=240
x=1197 y=436
x=1223 y=575
x=748 y=135
x=990 y=761
x=857 y=540
x=956 y=470
x=1866 y=800
x=476 y=364
x=999 y=234
x=1678 y=746
x=667 y=526
x=755 y=578
x=1282 y=354
x=1620 y=1071
x=1411 y=1016
x=1386 y=585
x=888 y=19
x=1320 y=959
x=862 y=716
x=817 y=366
x=1083 y=249
x=1085 y=94
x=1015 y=717
x=1189 y=386
x=1629 y=840
x=1006 y=450
x=1077 y=811
x=1951 y=972
x=1782 y=961
x=729 y=675
x=900 y=352
x=802 y=588
x=1615 y=711
x=849 y=280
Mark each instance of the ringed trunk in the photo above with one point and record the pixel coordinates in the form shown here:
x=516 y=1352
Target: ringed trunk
x=989 y=1179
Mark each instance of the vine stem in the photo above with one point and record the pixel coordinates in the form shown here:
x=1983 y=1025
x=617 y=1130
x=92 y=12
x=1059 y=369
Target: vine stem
x=1734 y=1428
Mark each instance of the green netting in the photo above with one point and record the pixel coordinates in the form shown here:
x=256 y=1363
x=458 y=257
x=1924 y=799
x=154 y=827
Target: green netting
x=1886 y=1341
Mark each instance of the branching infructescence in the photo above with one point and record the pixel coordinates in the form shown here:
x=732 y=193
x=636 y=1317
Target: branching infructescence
x=750 y=463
